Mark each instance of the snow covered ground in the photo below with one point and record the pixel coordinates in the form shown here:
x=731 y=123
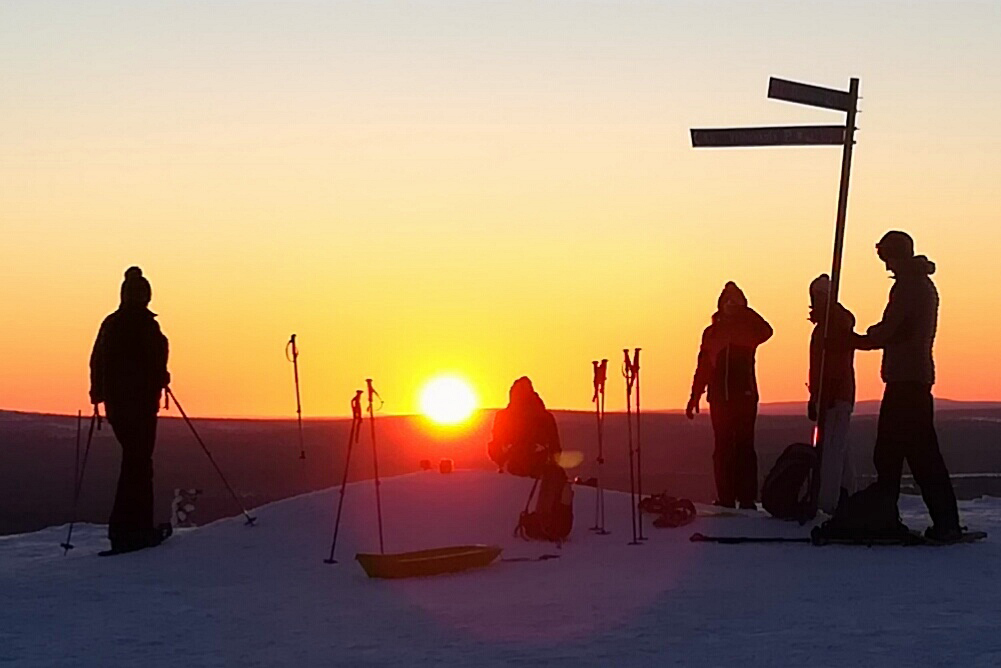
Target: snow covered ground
x=230 y=595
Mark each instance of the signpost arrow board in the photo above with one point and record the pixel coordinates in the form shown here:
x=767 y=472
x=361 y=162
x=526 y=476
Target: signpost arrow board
x=796 y=135
x=815 y=96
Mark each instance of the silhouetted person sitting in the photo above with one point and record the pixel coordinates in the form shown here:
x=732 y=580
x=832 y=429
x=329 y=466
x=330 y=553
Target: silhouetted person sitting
x=726 y=367
x=525 y=437
x=128 y=371
x=837 y=473
x=906 y=428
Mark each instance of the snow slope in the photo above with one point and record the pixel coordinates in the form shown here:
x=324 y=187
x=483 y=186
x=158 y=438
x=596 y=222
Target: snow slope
x=230 y=595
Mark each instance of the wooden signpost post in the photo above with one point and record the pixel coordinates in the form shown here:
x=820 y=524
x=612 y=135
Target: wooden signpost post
x=806 y=135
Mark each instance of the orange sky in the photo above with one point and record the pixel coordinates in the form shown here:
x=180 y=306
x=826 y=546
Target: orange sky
x=485 y=189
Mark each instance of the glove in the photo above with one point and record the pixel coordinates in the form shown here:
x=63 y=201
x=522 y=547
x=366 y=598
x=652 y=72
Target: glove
x=692 y=408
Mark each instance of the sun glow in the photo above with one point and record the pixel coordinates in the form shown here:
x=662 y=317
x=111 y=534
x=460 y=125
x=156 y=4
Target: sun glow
x=447 y=400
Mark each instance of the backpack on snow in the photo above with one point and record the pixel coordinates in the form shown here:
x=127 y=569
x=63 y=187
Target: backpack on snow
x=785 y=492
x=552 y=518
x=870 y=514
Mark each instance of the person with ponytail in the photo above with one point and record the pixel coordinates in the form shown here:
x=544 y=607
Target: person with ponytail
x=128 y=372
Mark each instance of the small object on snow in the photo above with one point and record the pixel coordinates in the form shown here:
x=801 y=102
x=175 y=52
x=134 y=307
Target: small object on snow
x=446 y=466
x=183 y=506
x=153 y=538
x=423 y=563
x=673 y=512
x=425 y=465
x=541 y=557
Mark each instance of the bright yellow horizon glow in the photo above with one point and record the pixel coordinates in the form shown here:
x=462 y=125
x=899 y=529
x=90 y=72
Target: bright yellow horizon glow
x=497 y=189
x=448 y=400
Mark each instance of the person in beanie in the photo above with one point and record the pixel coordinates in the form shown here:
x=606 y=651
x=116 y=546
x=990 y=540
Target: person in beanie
x=837 y=393
x=525 y=437
x=726 y=367
x=128 y=371
x=906 y=427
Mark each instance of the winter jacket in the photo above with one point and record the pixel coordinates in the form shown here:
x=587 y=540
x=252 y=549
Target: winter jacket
x=525 y=435
x=906 y=333
x=128 y=366
x=726 y=356
x=839 y=363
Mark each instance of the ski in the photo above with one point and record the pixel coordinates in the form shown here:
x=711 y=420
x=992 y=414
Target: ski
x=733 y=540
x=909 y=539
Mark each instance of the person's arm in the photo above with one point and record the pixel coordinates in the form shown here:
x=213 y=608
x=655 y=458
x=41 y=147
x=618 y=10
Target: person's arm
x=816 y=348
x=703 y=366
x=883 y=331
x=703 y=373
x=758 y=329
x=97 y=357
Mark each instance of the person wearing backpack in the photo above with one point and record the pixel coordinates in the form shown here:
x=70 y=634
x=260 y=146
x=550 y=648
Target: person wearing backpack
x=525 y=438
x=906 y=427
x=726 y=368
x=837 y=473
x=128 y=372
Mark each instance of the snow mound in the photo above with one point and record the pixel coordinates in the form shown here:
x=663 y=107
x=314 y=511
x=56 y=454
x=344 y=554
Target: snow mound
x=226 y=594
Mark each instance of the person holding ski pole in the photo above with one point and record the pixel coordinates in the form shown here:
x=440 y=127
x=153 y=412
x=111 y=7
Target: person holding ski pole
x=726 y=367
x=906 y=427
x=837 y=392
x=128 y=372
x=525 y=436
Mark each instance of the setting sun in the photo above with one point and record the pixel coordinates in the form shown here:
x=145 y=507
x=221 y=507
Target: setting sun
x=447 y=400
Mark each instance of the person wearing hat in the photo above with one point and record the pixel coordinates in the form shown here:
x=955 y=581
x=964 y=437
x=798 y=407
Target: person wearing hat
x=837 y=392
x=128 y=372
x=525 y=437
x=906 y=428
x=726 y=368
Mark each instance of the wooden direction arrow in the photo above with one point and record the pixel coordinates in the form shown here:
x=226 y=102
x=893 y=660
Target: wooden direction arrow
x=795 y=135
x=815 y=96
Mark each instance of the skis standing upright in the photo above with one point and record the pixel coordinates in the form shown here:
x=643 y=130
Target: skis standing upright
x=600 y=375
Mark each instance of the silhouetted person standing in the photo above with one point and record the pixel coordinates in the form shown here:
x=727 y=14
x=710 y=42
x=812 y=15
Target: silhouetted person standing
x=837 y=474
x=726 y=367
x=525 y=437
x=128 y=371
x=906 y=428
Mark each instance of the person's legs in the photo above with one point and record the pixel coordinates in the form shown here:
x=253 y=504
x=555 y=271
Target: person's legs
x=925 y=459
x=893 y=433
x=836 y=469
x=723 y=452
x=745 y=459
x=132 y=513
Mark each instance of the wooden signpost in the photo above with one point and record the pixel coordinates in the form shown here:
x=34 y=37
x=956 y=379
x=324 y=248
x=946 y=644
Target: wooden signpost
x=806 y=135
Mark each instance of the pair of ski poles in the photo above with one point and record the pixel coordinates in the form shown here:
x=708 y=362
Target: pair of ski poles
x=96 y=420
x=631 y=372
x=353 y=436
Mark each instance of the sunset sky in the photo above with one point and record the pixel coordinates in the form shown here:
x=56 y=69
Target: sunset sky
x=488 y=189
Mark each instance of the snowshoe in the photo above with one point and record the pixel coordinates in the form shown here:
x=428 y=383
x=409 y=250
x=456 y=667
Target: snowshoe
x=935 y=536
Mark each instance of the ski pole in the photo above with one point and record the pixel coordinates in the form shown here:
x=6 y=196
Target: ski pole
x=298 y=404
x=375 y=460
x=639 y=444
x=627 y=371
x=250 y=520
x=78 y=475
x=356 y=420
x=600 y=374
